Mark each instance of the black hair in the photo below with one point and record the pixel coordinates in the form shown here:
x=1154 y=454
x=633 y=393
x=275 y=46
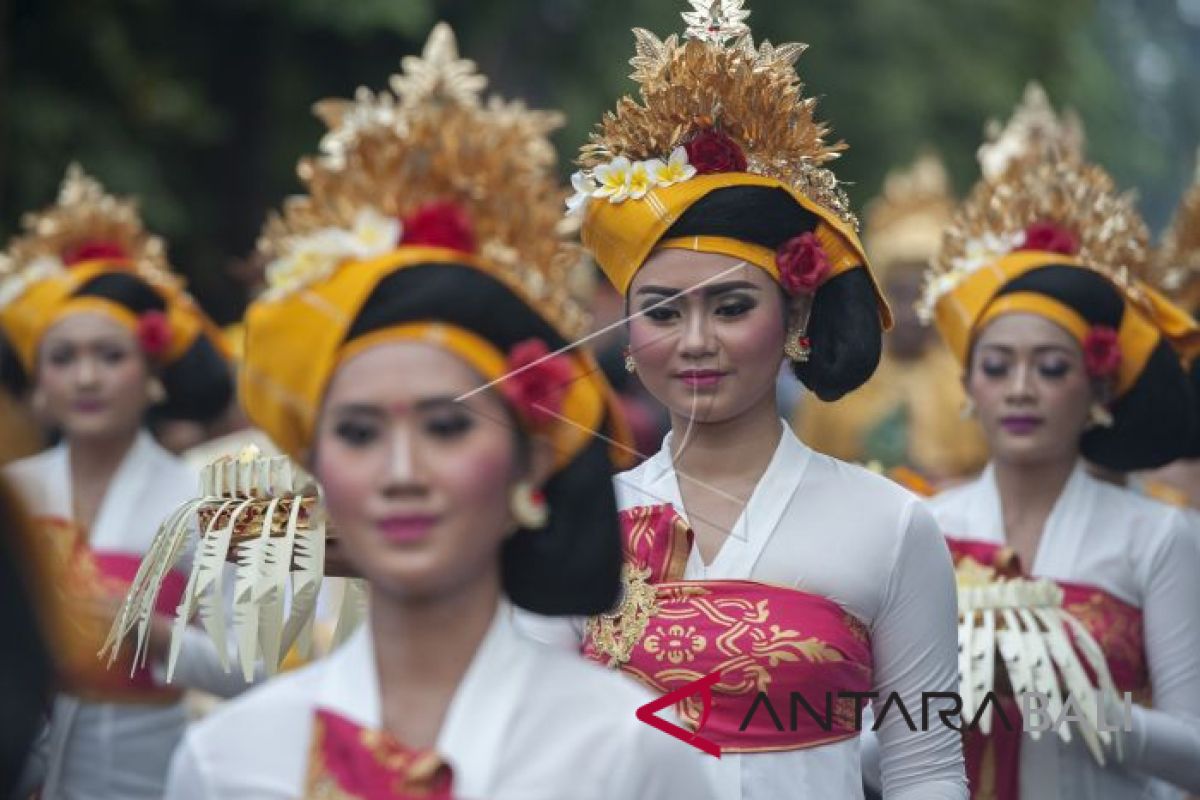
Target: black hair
x=1155 y=420
x=573 y=565
x=844 y=327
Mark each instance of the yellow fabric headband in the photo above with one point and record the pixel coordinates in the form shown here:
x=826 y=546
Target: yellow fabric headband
x=840 y=258
x=294 y=344
x=582 y=407
x=621 y=236
x=47 y=302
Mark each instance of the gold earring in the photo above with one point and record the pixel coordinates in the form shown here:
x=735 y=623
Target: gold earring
x=156 y=392
x=968 y=409
x=797 y=347
x=630 y=364
x=1099 y=416
x=529 y=507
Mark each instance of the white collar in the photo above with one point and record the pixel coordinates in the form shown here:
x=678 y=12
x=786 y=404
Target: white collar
x=480 y=713
x=659 y=483
x=1065 y=528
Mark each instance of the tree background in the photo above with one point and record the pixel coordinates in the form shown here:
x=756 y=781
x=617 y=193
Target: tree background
x=202 y=107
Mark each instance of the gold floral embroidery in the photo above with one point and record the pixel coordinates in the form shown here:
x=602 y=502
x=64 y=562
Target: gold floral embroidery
x=675 y=643
x=615 y=635
x=1118 y=633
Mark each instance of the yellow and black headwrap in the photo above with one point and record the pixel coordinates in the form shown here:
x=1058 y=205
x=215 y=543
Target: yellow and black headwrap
x=1047 y=233
x=714 y=115
x=89 y=252
x=431 y=216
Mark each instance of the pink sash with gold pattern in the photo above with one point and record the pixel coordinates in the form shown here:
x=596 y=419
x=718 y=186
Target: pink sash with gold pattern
x=993 y=761
x=349 y=762
x=83 y=577
x=798 y=653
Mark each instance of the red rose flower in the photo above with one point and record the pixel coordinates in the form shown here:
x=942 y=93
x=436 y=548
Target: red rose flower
x=154 y=333
x=1101 y=352
x=535 y=384
x=1051 y=238
x=439 y=225
x=712 y=151
x=803 y=264
x=93 y=250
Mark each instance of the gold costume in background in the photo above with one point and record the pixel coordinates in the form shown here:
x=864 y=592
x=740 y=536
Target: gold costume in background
x=909 y=414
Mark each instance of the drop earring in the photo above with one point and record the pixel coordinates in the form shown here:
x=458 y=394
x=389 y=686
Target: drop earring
x=630 y=364
x=529 y=507
x=1099 y=416
x=968 y=409
x=156 y=392
x=797 y=346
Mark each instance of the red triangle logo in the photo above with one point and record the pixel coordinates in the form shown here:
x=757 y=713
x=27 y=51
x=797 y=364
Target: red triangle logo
x=703 y=687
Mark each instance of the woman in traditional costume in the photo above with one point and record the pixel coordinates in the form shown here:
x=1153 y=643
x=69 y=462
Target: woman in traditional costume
x=413 y=352
x=1068 y=358
x=749 y=556
x=103 y=329
x=906 y=419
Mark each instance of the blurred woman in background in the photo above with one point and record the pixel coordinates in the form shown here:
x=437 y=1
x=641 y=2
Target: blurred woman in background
x=104 y=333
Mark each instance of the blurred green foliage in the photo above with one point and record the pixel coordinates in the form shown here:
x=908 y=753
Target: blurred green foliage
x=201 y=108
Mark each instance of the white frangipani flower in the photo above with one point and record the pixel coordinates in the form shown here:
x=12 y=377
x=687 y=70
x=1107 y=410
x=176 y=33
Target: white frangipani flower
x=584 y=187
x=640 y=180
x=675 y=170
x=613 y=179
x=374 y=234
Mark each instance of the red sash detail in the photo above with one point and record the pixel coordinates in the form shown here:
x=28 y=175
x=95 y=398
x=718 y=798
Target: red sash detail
x=993 y=762
x=84 y=577
x=350 y=762
x=762 y=639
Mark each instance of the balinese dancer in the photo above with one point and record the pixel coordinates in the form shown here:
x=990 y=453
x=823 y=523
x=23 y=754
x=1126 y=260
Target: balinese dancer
x=413 y=351
x=904 y=418
x=750 y=557
x=1177 y=272
x=103 y=329
x=1066 y=358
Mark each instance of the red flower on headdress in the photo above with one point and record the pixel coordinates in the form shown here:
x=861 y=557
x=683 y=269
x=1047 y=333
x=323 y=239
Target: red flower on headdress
x=1051 y=238
x=712 y=151
x=536 y=385
x=803 y=264
x=93 y=250
x=1101 y=352
x=154 y=333
x=441 y=224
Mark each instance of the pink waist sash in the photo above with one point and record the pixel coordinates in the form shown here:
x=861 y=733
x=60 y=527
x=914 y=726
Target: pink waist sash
x=789 y=662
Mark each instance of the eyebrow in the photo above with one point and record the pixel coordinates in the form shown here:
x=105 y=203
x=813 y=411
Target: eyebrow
x=709 y=291
x=373 y=410
x=1041 y=348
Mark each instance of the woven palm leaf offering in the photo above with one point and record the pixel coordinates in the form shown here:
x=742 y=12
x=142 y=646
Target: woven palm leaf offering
x=1015 y=637
x=256 y=532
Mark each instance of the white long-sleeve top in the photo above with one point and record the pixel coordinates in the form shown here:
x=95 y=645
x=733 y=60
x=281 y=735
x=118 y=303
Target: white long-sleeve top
x=526 y=722
x=119 y=751
x=828 y=528
x=1148 y=555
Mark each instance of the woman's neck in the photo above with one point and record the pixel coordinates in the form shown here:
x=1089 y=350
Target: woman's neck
x=730 y=450
x=96 y=458
x=423 y=649
x=1028 y=493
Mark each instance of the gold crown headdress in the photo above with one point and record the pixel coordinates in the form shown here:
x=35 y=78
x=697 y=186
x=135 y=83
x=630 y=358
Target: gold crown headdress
x=431 y=140
x=86 y=222
x=905 y=222
x=1040 y=178
x=750 y=94
x=1177 y=260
